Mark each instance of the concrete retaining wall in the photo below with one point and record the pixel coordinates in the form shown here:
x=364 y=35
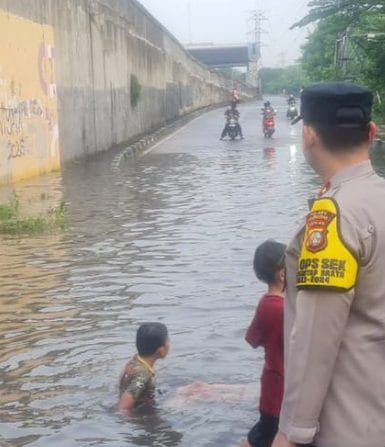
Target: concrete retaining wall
x=65 y=75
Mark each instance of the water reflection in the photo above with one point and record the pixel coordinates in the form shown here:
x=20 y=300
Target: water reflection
x=269 y=155
x=293 y=153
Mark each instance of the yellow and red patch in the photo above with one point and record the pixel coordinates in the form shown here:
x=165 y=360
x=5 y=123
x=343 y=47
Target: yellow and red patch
x=317 y=230
x=325 y=260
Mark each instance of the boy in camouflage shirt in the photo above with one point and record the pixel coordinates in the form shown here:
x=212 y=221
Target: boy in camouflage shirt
x=136 y=385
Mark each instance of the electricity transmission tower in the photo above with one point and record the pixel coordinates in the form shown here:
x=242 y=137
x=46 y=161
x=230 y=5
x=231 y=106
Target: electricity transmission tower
x=257 y=18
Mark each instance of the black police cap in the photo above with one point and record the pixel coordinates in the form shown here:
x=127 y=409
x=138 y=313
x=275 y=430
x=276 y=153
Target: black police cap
x=336 y=104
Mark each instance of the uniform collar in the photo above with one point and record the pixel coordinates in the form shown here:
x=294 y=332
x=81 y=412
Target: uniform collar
x=352 y=172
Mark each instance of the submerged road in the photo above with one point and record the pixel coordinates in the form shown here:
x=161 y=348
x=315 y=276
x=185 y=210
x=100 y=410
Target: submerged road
x=169 y=237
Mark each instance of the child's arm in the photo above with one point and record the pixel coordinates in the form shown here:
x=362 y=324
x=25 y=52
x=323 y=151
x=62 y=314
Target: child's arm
x=254 y=332
x=132 y=387
x=126 y=402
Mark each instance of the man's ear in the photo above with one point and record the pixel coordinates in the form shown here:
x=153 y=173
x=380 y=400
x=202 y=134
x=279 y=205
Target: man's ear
x=309 y=136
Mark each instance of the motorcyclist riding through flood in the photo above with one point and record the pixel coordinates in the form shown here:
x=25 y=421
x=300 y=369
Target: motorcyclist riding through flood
x=268 y=121
x=232 y=127
x=292 y=111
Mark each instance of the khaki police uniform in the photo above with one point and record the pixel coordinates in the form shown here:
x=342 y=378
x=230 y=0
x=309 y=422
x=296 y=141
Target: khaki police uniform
x=335 y=317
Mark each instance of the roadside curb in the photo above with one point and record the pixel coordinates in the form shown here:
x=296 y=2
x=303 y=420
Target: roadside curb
x=138 y=146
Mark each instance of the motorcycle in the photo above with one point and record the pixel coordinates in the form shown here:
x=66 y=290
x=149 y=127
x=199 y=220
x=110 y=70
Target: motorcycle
x=233 y=128
x=268 y=126
x=292 y=112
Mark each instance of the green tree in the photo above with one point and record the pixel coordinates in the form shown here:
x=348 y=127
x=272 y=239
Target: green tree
x=318 y=53
x=349 y=10
x=274 y=80
x=232 y=73
x=363 y=26
x=368 y=43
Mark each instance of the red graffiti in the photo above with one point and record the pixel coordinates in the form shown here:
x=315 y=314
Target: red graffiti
x=46 y=64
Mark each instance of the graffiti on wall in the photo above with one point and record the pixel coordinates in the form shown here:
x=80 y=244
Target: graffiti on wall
x=29 y=135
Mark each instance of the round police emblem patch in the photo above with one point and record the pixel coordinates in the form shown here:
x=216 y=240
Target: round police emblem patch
x=317 y=230
x=316 y=240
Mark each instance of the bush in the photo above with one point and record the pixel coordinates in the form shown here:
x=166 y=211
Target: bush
x=8 y=211
x=13 y=224
x=136 y=90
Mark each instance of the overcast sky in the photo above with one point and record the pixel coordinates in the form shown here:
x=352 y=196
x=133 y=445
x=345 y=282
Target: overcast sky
x=225 y=21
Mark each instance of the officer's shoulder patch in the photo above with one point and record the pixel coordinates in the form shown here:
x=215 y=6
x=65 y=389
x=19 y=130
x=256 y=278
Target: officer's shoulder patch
x=325 y=261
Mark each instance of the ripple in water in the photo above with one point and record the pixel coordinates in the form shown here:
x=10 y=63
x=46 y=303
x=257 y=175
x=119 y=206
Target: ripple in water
x=170 y=237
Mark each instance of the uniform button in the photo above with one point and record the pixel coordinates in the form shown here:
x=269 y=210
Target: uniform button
x=371 y=229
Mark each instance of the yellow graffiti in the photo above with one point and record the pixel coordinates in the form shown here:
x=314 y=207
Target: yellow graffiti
x=29 y=134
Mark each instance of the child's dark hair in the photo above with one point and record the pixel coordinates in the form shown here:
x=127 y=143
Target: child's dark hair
x=269 y=258
x=150 y=337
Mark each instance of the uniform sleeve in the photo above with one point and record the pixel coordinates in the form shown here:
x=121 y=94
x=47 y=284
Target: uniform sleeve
x=254 y=334
x=321 y=317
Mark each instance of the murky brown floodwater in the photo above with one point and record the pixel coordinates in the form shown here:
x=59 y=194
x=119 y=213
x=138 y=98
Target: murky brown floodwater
x=166 y=237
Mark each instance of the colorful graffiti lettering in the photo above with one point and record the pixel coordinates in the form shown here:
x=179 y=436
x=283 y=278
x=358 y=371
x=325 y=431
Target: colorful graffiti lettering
x=29 y=142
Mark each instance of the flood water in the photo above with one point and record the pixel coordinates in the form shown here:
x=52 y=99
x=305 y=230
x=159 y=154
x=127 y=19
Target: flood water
x=166 y=237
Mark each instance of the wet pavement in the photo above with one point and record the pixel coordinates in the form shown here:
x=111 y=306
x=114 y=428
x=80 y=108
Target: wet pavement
x=168 y=237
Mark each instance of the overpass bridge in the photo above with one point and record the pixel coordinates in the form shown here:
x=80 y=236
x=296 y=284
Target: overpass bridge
x=230 y=55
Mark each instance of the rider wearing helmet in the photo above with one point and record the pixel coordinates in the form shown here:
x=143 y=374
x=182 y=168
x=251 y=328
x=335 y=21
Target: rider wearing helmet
x=291 y=100
x=268 y=109
x=232 y=112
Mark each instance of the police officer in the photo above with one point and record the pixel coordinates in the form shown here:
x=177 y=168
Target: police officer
x=335 y=304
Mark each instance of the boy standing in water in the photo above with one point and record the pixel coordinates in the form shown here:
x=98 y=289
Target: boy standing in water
x=137 y=380
x=266 y=330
